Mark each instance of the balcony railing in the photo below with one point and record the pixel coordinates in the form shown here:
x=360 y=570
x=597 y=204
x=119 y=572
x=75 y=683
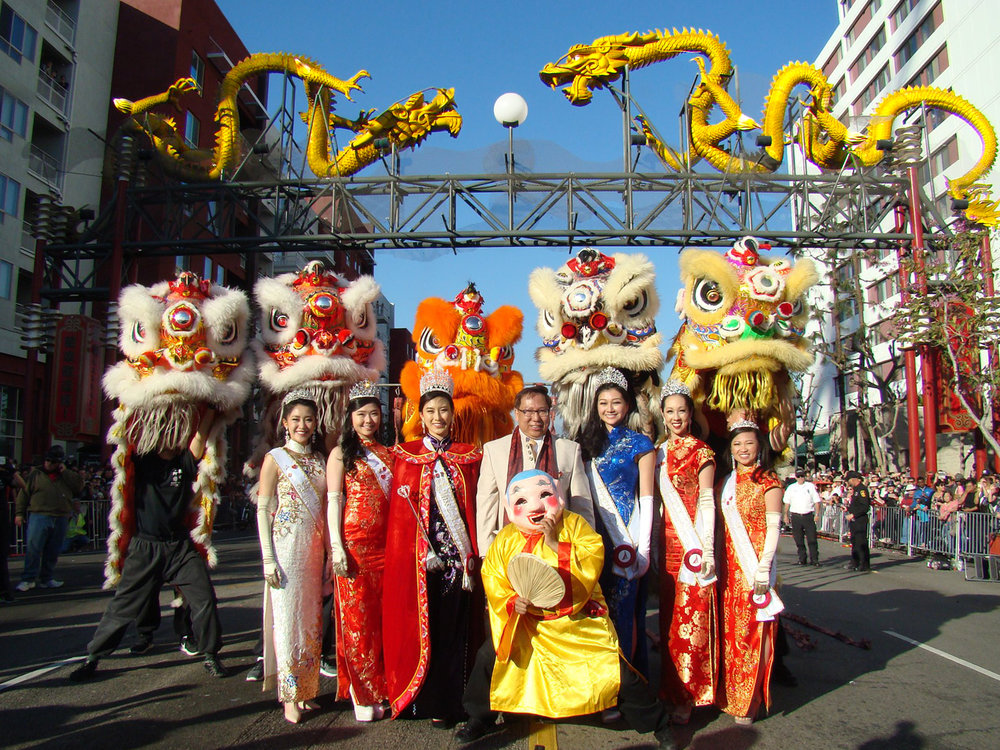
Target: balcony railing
x=27 y=243
x=53 y=93
x=60 y=22
x=45 y=167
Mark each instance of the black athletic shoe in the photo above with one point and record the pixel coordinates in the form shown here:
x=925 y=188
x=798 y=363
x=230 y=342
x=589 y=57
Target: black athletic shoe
x=665 y=740
x=850 y=566
x=213 y=666
x=328 y=667
x=141 y=646
x=473 y=729
x=188 y=647
x=256 y=673
x=815 y=563
x=85 y=671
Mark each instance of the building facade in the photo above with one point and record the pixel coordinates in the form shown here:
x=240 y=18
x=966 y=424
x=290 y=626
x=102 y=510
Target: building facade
x=854 y=399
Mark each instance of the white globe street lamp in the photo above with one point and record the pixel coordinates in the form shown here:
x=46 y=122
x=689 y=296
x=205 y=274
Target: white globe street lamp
x=510 y=110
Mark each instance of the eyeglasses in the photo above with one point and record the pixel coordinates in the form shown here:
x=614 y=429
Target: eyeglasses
x=534 y=412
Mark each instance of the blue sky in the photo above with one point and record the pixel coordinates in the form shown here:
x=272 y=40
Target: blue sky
x=484 y=49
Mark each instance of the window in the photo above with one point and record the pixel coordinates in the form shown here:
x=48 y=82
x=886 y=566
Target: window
x=6 y=279
x=859 y=25
x=920 y=35
x=847 y=308
x=901 y=12
x=931 y=70
x=192 y=130
x=207 y=269
x=840 y=89
x=10 y=195
x=935 y=117
x=833 y=62
x=11 y=424
x=868 y=54
x=874 y=88
x=13 y=116
x=220 y=275
x=198 y=70
x=945 y=156
x=17 y=37
x=181 y=262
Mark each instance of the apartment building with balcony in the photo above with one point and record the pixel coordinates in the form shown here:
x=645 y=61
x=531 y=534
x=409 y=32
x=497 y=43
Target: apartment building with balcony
x=881 y=46
x=55 y=81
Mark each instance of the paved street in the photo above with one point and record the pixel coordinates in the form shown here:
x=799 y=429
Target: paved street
x=896 y=695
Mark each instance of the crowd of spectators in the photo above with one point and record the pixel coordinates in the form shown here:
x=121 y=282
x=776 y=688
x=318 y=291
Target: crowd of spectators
x=930 y=508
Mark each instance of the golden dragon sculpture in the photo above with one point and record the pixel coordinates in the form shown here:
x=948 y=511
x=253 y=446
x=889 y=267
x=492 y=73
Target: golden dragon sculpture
x=825 y=141
x=405 y=124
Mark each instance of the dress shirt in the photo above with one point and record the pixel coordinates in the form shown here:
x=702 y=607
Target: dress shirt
x=801 y=498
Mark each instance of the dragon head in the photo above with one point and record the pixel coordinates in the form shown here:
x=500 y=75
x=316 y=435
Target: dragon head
x=477 y=350
x=407 y=124
x=185 y=344
x=742 y=310
x=589 y=66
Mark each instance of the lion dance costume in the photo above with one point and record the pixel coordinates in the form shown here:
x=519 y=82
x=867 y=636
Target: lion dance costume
x=185 y=346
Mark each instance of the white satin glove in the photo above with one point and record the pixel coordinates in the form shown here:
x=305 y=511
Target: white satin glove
x=706 y=507
x=335 y=512
x=762 y=579
x=266 y=506
x=643 y=543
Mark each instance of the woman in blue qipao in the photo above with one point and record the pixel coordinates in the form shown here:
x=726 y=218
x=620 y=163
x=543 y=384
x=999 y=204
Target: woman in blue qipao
x=621 y=467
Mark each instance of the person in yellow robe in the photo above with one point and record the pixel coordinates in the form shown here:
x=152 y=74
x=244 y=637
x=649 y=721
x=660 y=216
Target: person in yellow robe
x=561 y=661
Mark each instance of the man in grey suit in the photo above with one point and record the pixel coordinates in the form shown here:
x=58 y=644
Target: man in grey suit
x=530 y=446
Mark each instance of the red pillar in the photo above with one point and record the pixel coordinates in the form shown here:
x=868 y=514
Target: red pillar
x=910 y=363
x=926 y=352
x=990 y=289
x=33 y=426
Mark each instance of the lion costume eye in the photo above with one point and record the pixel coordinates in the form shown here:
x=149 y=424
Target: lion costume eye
x=428 y=342
x=138 y=332
x=279 y=320
x=637 y=305
x=707 y=296
x=229 y=334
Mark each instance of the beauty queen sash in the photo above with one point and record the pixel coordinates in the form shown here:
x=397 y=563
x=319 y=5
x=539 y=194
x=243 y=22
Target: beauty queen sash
x=689 y=534
x=768 y=605
x=380 y=470
x=444 y=495
x=622 y=536
x=301 y=482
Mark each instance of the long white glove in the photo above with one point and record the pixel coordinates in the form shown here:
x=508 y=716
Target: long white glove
x=645 y=534
x=266 y=506
x=334 y=519
x=762 y=581
x=706 y=506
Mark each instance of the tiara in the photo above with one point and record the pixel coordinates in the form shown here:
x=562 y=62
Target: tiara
x=363 y=389
x=743 y=424
x=674 y=388
x=613 y=376
x=436 y=380
x=297 y=395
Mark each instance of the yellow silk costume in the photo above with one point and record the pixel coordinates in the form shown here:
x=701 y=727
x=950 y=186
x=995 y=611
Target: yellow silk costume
x=565 y=663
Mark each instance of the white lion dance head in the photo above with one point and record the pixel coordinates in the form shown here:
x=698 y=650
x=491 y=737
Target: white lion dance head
x=598 y=311
x=185 y=347
x=318 y=336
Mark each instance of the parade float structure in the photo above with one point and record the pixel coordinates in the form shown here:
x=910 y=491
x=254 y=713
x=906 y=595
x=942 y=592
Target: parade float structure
x=477 y=350
x=185 y=349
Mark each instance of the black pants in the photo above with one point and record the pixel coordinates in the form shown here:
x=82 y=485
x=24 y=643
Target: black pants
x=804 y=532
x=148 y=566
x=636 y=700
x=860 y=552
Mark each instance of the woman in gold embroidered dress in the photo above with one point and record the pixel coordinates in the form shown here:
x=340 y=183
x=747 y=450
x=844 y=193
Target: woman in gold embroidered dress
x=751 y=510
x=291 y=523
x=359 y=476
x=685 y=476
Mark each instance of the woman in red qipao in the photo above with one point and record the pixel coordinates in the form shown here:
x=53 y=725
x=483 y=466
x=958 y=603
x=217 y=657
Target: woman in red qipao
x=688 y=642
x=359 y=476
x=428 y=610
x=751 y=511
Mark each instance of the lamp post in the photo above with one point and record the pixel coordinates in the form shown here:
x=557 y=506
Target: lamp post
x=510 y=110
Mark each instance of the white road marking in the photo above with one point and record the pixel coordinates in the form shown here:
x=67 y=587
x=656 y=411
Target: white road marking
x=38 y=673
x=946 y=655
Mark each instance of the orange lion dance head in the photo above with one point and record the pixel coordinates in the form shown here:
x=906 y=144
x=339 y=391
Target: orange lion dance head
x=477 y=350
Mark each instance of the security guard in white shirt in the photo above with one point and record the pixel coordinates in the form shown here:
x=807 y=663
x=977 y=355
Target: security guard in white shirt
x=801 y=499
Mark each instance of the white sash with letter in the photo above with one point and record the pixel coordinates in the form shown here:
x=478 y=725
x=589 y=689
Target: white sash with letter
x=622 y=535
x=689 y=534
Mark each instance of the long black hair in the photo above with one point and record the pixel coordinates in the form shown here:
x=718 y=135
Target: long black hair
x=350 y=443
x=593 y=437
x=765 y=456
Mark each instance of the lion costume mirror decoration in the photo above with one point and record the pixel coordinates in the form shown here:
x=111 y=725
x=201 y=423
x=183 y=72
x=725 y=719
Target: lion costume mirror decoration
x=185 y=347
x=317 y=335
x=477 y=350
x=742 y=334
x=598 y=311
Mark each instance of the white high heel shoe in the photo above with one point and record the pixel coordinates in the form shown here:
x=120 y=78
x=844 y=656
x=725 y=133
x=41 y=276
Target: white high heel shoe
x=366 y=713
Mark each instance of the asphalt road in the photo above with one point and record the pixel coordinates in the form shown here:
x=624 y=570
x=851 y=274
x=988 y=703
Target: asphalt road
x=897 y=694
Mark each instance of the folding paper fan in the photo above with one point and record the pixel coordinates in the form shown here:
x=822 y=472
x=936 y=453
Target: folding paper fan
x=535 y=580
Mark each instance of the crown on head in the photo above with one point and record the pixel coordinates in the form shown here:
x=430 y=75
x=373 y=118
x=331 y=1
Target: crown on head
x=674 y=388
x=743 y=424
x=297 y=395
x=437 y=380
x=364 y=389
x=613 y=376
